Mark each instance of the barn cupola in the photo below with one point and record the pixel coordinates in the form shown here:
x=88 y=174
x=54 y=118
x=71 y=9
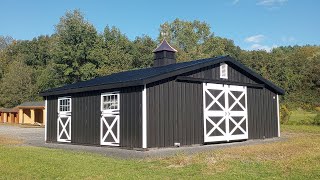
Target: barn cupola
x=164 y=54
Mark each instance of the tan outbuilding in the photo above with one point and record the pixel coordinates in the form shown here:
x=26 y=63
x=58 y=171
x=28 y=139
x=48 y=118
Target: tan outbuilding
x=32 y=112
x=9 y=115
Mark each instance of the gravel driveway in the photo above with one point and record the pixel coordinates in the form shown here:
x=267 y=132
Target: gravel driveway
x=35 y=137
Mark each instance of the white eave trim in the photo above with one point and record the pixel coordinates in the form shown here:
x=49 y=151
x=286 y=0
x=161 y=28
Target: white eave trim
x=144 y=117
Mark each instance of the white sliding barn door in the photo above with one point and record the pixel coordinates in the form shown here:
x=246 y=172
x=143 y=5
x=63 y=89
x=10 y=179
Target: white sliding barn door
x=225 y=112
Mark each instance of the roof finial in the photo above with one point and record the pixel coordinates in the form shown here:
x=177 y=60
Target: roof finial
x=164 y=46
x=164 y=34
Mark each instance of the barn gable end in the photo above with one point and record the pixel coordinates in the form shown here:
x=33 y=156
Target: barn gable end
x=181 y=107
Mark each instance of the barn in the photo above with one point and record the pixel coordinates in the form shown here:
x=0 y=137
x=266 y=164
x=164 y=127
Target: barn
x=170 y=104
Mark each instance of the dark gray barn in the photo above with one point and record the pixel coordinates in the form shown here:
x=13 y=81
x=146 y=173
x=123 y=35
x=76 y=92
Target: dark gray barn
x=197 y=102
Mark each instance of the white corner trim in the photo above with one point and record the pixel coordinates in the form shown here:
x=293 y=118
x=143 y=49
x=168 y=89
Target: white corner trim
x=278 y=115
x=46 y=118
x=144 y=117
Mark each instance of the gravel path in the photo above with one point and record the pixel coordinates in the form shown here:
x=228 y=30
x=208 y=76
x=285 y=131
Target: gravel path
x=35 y=137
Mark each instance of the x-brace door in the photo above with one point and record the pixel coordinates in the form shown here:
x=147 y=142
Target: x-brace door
x=110 y=119
x=215 y=120
x=64 y=128
x=110 y=130
x=225 y=112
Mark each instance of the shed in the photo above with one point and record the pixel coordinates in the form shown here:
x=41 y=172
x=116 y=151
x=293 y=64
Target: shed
x=32 y=112
x=170 y=104
x=9 y=115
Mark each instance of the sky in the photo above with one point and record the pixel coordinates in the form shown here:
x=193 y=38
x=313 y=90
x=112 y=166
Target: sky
x=251 y=24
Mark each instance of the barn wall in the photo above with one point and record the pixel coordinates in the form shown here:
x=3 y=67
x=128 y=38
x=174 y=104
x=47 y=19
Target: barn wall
x=262 y=113
x=131 y=117
x=175 y=109
x=86 y=113
x=85 y=118
x=52 y=116
x=174 y=113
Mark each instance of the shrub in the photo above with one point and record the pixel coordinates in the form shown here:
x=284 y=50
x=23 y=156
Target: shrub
x=284 y=114
x=316 y=120
x=317 y=108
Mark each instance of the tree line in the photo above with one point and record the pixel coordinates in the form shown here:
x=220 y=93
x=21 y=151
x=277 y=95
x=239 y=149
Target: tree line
x=77 y=52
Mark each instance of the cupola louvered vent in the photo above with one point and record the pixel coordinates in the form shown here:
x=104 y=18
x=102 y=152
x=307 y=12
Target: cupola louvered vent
x=223 y=71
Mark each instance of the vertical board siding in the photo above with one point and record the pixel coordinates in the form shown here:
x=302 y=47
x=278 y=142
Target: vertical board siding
x=85 y=118
x=262 y=114
x=52 y=117
x=174 y=113
x=131 y=117
x=175 y=109
x=213 y=72
x=86 y=114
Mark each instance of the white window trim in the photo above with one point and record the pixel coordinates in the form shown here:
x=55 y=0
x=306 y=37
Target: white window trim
x=63 y=98
x=117 y=93
x=226 y=68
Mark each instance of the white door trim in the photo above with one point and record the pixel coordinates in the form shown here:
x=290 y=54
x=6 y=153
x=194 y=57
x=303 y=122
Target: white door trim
x=107 y=113
x=64 y=114
x=64 y=130
x=227 y=114
x=116 y=138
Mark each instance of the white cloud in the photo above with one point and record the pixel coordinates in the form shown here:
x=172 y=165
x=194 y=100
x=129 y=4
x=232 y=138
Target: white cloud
x=234 y=2
x=271 y=3
x=255 y=39
x=262 y=47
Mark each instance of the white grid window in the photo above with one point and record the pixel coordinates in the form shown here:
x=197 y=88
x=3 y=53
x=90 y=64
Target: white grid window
x=224 y=71
x=109 y=102
x=64 y=105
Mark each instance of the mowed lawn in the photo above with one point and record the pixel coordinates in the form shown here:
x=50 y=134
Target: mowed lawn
x=296 y=158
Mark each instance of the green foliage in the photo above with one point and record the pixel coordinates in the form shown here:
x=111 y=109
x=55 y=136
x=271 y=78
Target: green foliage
x=76 y=39
x=17 y=84
x=284 y=114
x=316 y=120
x=301 y=117
x=77 y=52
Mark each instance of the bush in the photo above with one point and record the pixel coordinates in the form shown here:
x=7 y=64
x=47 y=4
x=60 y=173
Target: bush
x=316 y=120
x=284 y=114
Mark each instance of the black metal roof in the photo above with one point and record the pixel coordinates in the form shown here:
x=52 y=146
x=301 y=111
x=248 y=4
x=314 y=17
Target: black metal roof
x=152 y=74
x=164 y=46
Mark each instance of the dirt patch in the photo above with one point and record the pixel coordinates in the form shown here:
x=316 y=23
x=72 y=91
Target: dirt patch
x=9 y=141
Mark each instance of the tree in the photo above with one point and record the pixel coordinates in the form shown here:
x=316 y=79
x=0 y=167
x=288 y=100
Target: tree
x=117 y=52
x=142 y=52
x=5 y=41
x=76 y=39
x=194 y=40
x=17 y=84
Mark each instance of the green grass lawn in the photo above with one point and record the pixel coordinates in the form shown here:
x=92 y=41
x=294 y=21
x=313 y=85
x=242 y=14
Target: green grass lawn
x=296 y=158
x=301 y=117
